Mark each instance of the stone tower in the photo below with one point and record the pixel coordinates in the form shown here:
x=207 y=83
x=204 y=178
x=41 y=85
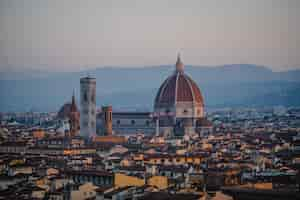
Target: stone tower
x=87 y=107
x=107 y=120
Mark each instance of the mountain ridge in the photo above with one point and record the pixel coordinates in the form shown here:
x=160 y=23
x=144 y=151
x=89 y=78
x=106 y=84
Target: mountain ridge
x=228 y=85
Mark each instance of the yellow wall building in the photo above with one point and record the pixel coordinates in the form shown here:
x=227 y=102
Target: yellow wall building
x=173 y=160
x=122 y=180
x=161 y=182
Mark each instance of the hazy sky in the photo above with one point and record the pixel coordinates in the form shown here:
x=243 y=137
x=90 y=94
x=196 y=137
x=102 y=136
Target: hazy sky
x=71 y=35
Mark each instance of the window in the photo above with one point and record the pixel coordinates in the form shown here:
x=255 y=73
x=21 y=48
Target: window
x=132 y=122
x=199 y=111
x=118 y=122
x=93 y=98
x=85 y=97
x=147 y=122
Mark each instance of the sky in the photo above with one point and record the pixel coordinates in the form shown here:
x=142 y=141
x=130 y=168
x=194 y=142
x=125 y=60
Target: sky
x=72 y=35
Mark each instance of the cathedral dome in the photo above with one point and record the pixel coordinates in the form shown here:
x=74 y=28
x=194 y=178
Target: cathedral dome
x=178 y=88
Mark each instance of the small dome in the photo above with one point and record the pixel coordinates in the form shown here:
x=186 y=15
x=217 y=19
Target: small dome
x=64 y=111
x=68 y=108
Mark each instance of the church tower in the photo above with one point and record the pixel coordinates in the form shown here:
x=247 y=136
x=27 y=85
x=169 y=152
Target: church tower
x=87 y=107
x=74 y=118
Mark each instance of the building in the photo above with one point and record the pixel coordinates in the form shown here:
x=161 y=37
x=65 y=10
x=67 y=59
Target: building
x=87 y=107
x=178 y=110
x=98 y=178
x=178 y=104
x=107 y=120
x=128 y=123
x=74 y=118
x=70 y=115
x=13 y=147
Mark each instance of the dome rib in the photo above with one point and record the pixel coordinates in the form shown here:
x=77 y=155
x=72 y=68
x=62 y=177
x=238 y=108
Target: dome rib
x=191 y=87
x=176 y=87
x=168 y=92
x=198 y=96
x=161 y=91
x=184 y=91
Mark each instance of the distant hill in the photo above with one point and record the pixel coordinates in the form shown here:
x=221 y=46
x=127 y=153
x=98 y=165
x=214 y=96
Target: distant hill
x=228 y=85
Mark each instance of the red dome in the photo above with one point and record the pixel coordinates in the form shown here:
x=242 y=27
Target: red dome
x=178 y=88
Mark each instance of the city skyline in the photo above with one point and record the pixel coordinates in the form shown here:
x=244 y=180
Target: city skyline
x=72 y=36
x=143 y=100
